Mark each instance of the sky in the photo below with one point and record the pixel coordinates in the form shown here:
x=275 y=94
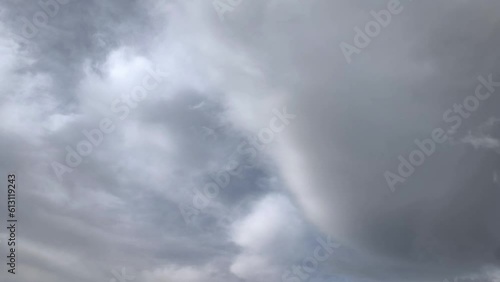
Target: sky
x=250 y=141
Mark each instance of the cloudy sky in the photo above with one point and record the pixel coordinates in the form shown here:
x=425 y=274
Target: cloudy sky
x=262 y=140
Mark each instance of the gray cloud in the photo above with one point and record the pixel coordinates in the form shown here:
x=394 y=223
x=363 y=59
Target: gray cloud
x=322 y=176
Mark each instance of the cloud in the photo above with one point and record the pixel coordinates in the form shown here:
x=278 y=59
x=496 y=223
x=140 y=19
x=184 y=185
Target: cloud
x=323 y=175
x=274 y=224
x=487 y=136
x=482 y=142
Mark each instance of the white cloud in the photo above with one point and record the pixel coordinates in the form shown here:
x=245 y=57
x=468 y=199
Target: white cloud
x=274 y=224
x=485 y=142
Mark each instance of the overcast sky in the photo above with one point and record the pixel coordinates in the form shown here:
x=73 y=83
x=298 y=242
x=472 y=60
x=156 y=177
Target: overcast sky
x=251 y=140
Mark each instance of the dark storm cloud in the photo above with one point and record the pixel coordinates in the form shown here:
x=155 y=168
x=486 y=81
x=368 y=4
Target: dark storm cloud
x=426 y=60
